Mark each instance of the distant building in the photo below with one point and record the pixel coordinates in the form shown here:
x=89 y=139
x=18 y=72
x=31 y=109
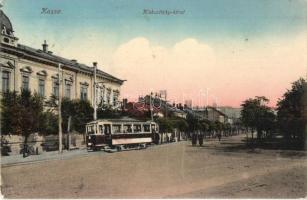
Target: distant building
x=24 y=67
x=212 y=114
x=176 y=112
x=231 y=112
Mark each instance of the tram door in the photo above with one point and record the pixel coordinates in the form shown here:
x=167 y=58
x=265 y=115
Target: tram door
x=107 y=132
x=107 y=129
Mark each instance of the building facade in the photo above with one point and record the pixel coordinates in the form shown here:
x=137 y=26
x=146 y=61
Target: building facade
x=23 y=67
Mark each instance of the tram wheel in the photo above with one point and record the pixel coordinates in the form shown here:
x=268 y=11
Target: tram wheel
x=119 y=148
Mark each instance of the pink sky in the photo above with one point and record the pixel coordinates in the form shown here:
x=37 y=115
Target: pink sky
x=232 y=71
x=237 y=49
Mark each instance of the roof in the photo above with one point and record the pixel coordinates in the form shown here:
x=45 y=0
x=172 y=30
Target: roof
x=26 y=50
x=5 y=21
x=123 y=119
x=215 y=109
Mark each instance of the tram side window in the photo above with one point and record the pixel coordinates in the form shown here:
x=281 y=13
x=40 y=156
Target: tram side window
x=127 y=128
x=137 y=128
x=107 y=129
x=146 y=127
x=101 y=129
x=116 y=128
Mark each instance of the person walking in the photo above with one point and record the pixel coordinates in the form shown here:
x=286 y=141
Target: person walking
x=219 y=135
x=194 y=139
x=200 y=139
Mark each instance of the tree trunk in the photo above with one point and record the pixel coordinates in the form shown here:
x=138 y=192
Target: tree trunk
x=25 y=145
x=68 y=133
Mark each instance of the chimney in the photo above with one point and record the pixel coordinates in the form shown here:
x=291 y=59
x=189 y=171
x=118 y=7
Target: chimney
x=45 y=46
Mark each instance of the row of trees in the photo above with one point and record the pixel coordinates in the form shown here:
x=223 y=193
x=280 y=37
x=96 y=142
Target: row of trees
x=292 y=112
x=25 y=113
x=290 y=120
x=193 y=125
x=257 y=116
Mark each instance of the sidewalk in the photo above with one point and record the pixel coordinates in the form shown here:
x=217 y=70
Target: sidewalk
x=44 y=156
x=53 y=155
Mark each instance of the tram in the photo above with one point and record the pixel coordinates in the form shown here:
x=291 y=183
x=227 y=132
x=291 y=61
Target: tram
x=120 y=134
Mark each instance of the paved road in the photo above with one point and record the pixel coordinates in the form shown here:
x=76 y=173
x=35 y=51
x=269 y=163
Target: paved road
x=173 y=171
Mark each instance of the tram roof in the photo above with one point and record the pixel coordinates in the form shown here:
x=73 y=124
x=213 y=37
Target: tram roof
x=119 y=120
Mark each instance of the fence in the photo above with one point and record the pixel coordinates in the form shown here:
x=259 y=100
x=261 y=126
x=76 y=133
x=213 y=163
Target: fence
x=14 y=143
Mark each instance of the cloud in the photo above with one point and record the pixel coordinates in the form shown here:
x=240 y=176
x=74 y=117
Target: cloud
x=152 y=67
x=232 y=72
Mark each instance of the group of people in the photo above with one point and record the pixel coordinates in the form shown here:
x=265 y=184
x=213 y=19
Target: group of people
x=200 y=138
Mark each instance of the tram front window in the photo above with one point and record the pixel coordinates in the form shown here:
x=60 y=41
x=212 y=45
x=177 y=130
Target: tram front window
x=153 y=127
x=90 y=130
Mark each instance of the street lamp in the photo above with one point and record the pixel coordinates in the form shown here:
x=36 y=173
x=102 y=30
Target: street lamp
x=95 y=106
x=59 y=107
x=150 y=105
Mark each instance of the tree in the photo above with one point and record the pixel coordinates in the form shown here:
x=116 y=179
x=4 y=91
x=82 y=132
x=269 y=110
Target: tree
x=291 y=112
x=107 y=112
x=80 y=112
x=68 y=111
x=181 y=125
x=21 y=113
x=204 y=126
x=83 y=113
x=256 y=115
x=165 y=125
x=193 y=121
x=48 y=123
x=10 y=112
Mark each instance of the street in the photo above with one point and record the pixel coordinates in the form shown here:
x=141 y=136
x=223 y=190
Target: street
x=175 y=170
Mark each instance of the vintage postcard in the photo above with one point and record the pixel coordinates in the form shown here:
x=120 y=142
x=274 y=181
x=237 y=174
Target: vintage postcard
x=153 y=99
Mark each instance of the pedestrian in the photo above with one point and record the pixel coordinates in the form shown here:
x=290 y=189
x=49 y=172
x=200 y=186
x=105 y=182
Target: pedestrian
x=200 y=139
x=219 y=135
x=194 y=139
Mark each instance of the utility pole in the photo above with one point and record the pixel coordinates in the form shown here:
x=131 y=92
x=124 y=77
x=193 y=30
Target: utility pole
x=95 y=106
x=60 y=112
x=207 y=95
x=166 y=112
x=150 y=106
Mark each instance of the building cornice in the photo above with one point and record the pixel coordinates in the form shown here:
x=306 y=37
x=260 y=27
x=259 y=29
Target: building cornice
x=52 y=60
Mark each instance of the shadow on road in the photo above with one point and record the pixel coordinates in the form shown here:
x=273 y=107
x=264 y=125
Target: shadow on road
x=293 y=149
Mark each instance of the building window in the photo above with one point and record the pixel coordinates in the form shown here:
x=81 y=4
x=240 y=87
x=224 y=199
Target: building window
x=41 y=87
x=115 y=98
x=25 y=82
x=83 y=92
x=108 y=96
x=68 y=89
x=5 y=81
x=55 y=87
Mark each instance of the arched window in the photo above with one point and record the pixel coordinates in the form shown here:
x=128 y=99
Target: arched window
x=25 y=77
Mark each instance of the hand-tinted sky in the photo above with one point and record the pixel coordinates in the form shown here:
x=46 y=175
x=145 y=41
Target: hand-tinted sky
x=236 y=48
